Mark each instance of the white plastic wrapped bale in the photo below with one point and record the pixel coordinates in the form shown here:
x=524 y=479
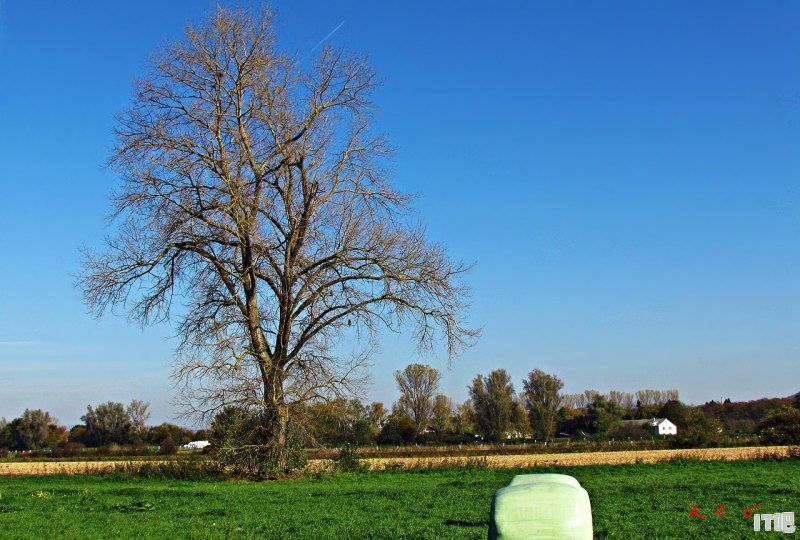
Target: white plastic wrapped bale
x=549 y=477
x=541 y=506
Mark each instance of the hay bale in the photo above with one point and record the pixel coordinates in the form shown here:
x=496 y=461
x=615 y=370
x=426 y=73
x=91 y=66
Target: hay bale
x=552 y=507
x=521 y=479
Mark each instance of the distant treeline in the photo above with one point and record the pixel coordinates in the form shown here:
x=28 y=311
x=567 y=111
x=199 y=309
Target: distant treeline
x=494 y=412
x=106 y=425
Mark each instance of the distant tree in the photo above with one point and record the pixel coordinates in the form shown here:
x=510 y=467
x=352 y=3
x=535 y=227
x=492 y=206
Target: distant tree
x=520 y=424
x=742 y=416
x=5 y=438
x=781 y=426
x=589 y=396
x=108 y=423
x=418 y=384
x=463 y=419
x=602 y=416
x=362 y=433
x=341 y=421
x=202 y=435
x=623 y=399
x=571 y=421
x=573 y=401
x=541 y=395
x=698 y=430
x=676 y=412
x=33 y=429
x=377 y=415
x=139 y=414
x=493 y=402
x=644 y=411
x=158 y=434
x=796 y=401
x=56 y=435
x=399 y=428
x=649 y=397
x=79 y=434
x=442 y=413
x=9 y=437
x=579 y=400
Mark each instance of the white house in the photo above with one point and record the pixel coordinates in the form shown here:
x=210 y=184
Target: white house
x=662 y=426
x=659 y=426
x=196 y=445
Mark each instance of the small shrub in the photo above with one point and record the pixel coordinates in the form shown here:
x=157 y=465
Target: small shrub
x=139 y=447
x=258 y=461
x=348 y=461
x=114 y=449
x=71 y=449
x=174 y=470
x=168 y=447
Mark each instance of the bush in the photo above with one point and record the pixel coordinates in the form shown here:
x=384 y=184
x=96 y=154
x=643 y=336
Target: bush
x=178 y=469
x=698 y=430
x=168 y=447
x=258 y=461
x=242 y=445
x=399 y=429
x=71 y=449
x=348 y=461
x=781 y=426
x=139 y=447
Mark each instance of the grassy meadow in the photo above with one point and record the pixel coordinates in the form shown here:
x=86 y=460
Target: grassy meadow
x=628 y=501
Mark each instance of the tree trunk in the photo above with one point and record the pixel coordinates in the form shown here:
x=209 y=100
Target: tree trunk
x=276 y=416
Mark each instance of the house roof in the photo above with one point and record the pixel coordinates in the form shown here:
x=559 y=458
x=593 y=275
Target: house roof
x=653 y=422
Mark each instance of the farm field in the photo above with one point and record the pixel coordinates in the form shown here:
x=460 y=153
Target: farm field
x=628 y=501
x=72 y=466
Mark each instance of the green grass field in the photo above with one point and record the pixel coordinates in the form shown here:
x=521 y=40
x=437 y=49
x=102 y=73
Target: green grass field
x=634 y=501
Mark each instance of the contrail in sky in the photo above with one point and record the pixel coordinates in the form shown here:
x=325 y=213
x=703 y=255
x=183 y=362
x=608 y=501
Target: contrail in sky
x=326 y=37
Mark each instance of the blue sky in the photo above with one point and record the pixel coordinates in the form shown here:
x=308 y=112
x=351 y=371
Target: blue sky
x=625 y=178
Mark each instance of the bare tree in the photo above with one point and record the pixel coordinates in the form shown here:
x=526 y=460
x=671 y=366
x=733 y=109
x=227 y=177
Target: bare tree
x=650 y=397
x=139 y=413
x=589 y=396
x=623 y=399
x=255 y=190
x=573 y=401
x=542 y=399
x=418 y=384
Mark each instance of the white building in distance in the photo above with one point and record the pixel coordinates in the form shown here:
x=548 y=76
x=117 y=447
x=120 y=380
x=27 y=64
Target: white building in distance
x=659 y=426
x=196 y=445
